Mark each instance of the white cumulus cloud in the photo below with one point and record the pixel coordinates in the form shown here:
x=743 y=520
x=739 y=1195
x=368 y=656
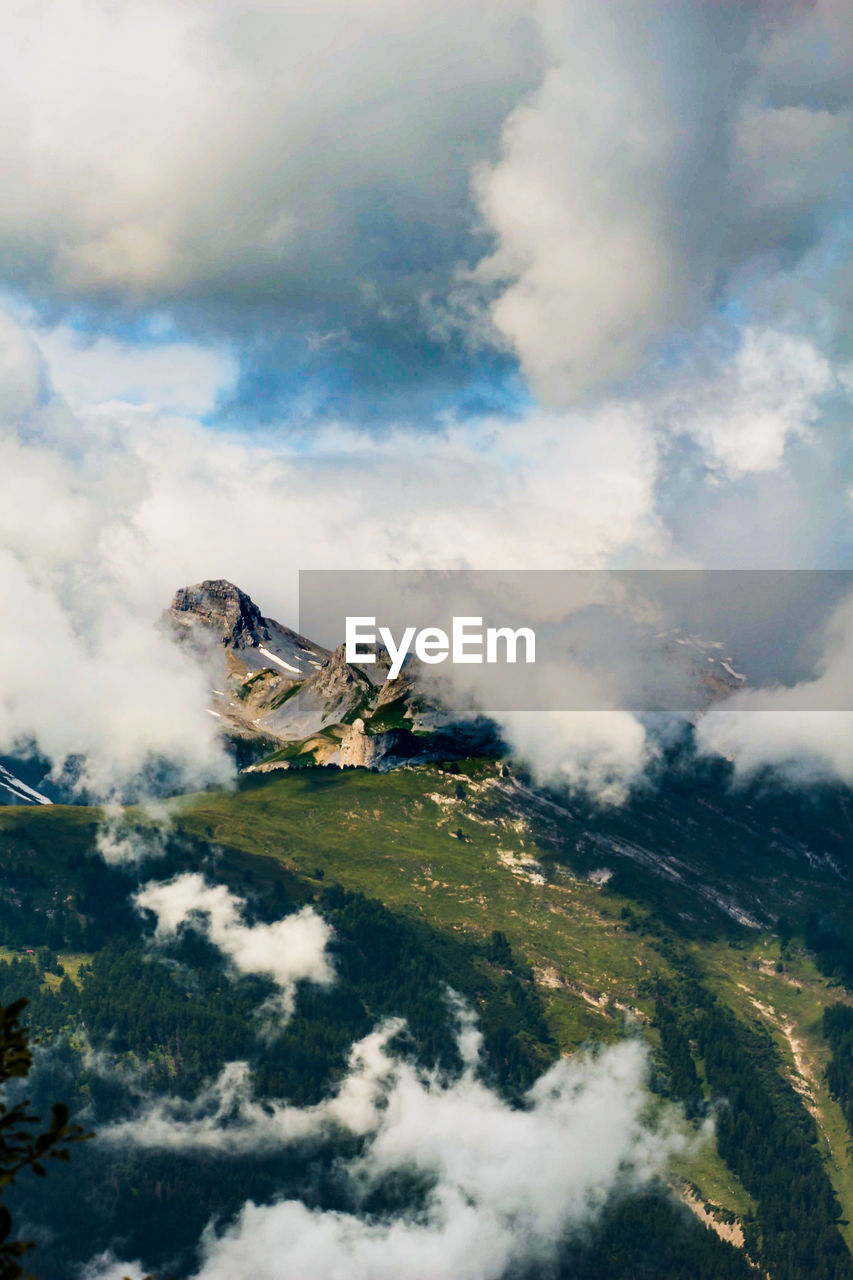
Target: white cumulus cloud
x=667 y=160
x=506 y=1182
x=288 y=951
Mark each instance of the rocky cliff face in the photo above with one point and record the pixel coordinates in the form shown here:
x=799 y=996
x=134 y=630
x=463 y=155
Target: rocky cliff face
x=216 y=616
x=358 y=748
x=336 y=677
x=268 y=682
x=224 y=610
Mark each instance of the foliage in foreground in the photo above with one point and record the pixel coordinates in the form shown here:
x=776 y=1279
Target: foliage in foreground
x=22 y=1145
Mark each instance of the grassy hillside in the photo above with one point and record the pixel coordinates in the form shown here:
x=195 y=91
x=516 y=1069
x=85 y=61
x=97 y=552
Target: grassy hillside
x=658 y=918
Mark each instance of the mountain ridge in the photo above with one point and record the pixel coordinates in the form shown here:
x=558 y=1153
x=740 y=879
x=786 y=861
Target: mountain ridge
x=278 y=684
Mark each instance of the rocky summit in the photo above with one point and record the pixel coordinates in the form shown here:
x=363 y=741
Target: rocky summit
x=222 y=608
x=280 y=689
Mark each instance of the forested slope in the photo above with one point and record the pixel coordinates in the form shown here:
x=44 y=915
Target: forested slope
x=550 y=923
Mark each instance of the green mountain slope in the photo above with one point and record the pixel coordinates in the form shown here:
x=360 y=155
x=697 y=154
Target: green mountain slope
x=561 y=925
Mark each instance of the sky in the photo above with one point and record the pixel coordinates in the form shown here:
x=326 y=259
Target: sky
x=522 y=285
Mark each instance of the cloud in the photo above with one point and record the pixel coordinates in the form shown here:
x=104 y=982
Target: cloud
x=506 y=1183
x=120 y=840
x=175 y=376
x=292 y=177
x=107 y=1267
x=745 y=411
x=780 y=729
x=23 y=379
x=118 y=700
x=117 y=486
x=801 y=745
x=673 y=157
x=795 y=516
x=227 y=1117
x=601 y=752
x=297 y=181
x=288 y=951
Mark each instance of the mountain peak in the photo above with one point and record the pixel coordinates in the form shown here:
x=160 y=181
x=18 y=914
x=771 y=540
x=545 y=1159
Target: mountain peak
x=224 y=609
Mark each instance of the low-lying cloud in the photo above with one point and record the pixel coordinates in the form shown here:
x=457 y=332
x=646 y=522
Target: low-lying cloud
x=506 y=1183
x=780 y=729
x=601 y=752
x=114 y=696
x=288 y=951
